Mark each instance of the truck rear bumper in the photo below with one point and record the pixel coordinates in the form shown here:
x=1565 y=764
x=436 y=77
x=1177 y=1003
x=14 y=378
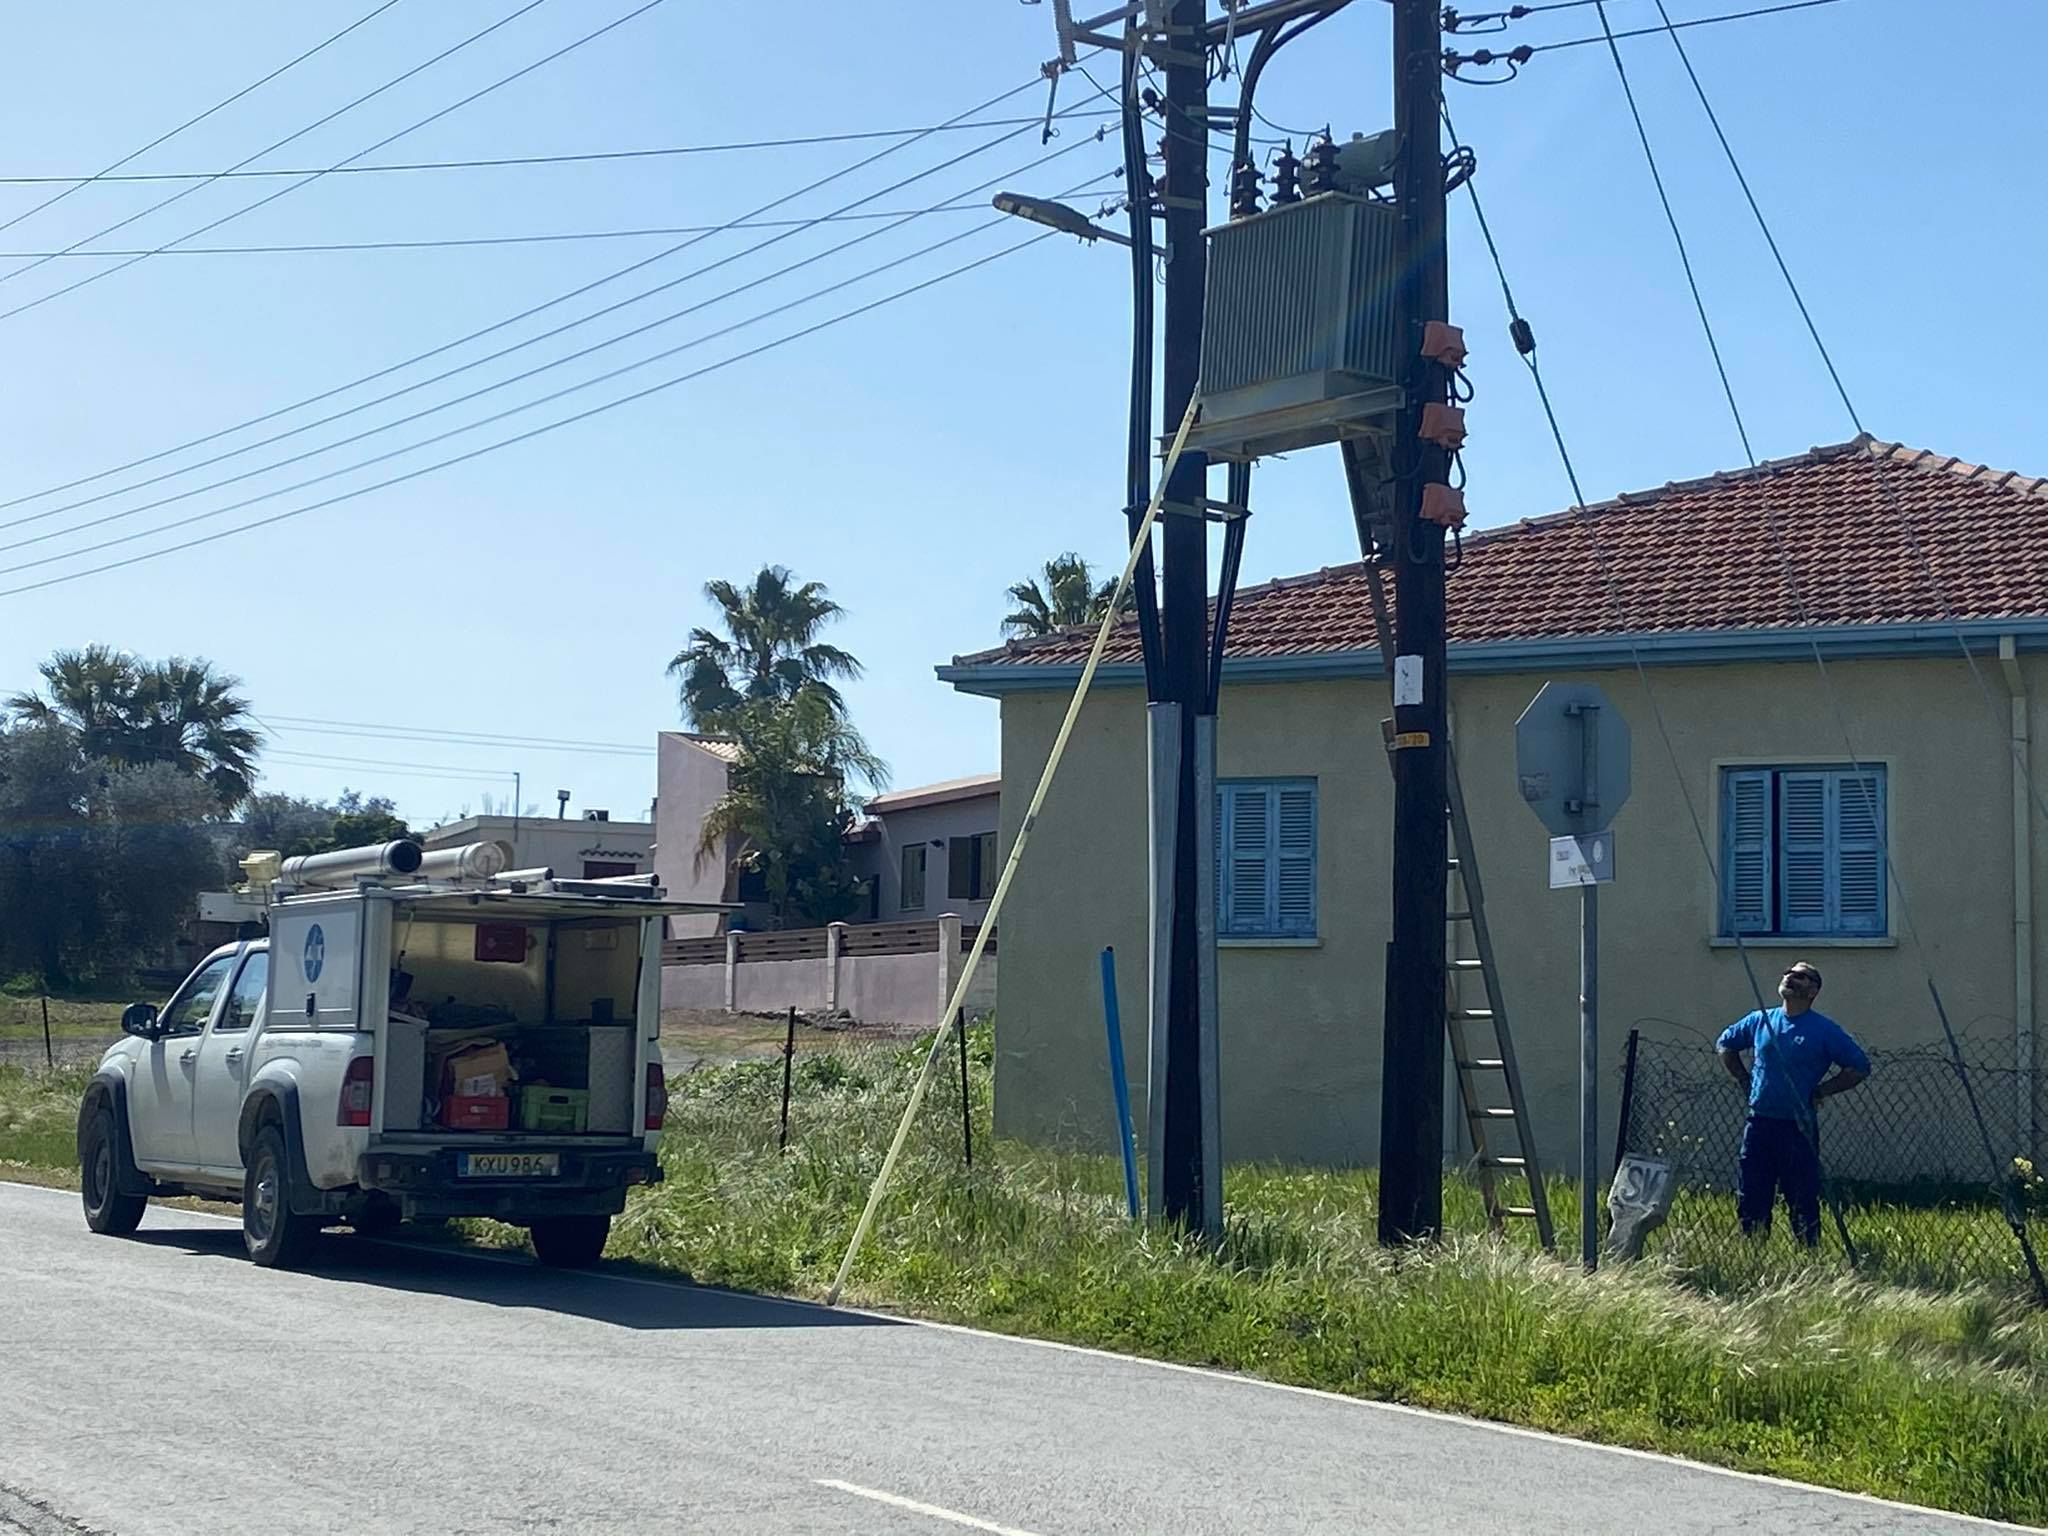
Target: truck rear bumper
x=589 y=1183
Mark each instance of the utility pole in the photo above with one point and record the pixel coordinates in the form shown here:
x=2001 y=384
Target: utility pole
x=1412 y=1083
x=1186 y=1164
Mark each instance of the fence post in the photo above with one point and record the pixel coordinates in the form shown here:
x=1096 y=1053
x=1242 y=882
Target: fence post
x=1628 y=1100
x=966 y=1103
x=788 y=1059
x=835 y=939
x=949 y=962
x=732 y=969
x=49 y=1052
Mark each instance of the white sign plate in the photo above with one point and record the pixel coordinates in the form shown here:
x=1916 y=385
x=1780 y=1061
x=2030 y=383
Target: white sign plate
x=1581 y=860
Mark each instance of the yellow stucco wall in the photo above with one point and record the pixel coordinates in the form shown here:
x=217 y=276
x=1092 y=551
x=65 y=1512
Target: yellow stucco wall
x=1300 y=1026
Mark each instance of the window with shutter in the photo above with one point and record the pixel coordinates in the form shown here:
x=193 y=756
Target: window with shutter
x=1266 y=859
x=1803 y=851
x=1746 y=851
x=960 y=869
x=1859 y=857
x=1803 y=846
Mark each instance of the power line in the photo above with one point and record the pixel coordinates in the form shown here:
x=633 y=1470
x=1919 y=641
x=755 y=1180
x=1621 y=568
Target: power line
x=288 y=189
x=1697 y=21
x=320 y=726
x=510 y=320
x=322 y=759
x=461 y=241
x=512 y=379
x=800 y=141
x=8 y=277
x=541 y=430
x=107 y=174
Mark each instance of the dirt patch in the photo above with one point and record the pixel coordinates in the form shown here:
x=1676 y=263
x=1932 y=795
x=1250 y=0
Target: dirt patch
x=696 y=1037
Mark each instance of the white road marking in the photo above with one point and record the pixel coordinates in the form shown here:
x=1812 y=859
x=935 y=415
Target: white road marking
x=1360 y=1404
x=932 y=1511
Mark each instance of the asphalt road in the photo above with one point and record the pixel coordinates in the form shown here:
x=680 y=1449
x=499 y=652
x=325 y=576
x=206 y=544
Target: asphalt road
x=162 y=1385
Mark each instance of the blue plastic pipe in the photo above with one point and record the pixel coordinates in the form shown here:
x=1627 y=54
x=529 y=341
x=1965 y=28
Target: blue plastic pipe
x=1119 y=1081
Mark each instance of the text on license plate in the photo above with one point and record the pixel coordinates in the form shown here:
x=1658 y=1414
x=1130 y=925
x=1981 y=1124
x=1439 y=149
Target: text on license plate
x=508 y=1165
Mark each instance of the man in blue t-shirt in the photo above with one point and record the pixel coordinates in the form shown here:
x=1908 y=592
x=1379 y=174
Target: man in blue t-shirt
x=1793 y=1047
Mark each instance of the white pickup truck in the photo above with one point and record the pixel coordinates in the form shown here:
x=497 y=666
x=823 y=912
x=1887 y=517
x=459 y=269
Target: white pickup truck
x=420 y=1036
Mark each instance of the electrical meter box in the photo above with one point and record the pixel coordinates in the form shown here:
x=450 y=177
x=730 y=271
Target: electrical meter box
x=1299 y=343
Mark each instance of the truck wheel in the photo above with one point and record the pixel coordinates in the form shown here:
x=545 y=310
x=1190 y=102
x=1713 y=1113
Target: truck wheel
x=570 y=1242
x=274 y=1236
x=107 y=1210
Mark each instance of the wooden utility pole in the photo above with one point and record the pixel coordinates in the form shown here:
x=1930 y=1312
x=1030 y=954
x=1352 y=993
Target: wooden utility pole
x=1186 y=1168
x=1412 y=1082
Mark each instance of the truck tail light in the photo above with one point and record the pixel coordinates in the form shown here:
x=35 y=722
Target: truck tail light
x=657 y=1096
x=354 y=1108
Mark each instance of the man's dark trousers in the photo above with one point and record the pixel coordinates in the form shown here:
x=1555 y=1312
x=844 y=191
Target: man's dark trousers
x=1776 y=1154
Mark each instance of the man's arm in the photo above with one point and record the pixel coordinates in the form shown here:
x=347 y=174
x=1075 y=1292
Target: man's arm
x=1737 y=1068
x=1844 y=1079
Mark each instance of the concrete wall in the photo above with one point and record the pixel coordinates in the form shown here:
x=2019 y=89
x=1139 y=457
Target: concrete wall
x=907 y=989
x=928 y=824
x=1300 y=1025
x=689 y=781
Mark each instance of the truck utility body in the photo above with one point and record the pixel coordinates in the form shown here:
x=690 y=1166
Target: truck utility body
x=399 y=1048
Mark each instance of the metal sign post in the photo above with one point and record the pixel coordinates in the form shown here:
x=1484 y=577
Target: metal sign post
x=1572 y=763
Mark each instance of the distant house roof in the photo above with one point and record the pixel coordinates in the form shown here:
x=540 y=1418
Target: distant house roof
x=725 y=748
x=974 y=787
x=1868 y=533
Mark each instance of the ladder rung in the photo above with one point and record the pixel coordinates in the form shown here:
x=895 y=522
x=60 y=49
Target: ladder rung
x=1457 y=917
x=1473 y=1013
x=1468 y=965
x=1498 y=1114
x=1451 y=863
x=1503 y=1162
x=1483 y=1064
x=1525 y=1211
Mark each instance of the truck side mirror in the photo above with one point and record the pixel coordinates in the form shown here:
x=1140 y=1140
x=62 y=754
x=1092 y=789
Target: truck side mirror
x=139 y=1019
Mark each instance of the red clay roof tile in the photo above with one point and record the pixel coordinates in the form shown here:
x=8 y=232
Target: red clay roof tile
x=1867 y=533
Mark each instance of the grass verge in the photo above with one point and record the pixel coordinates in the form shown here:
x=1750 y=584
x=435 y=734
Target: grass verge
x=1940 y=1399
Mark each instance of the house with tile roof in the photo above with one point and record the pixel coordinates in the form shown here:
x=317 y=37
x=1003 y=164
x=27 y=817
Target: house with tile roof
x=1826 y=664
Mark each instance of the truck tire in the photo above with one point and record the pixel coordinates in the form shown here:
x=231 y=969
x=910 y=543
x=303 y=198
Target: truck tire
x=570 y=1242
x=100 y=1171
x=275 y=1237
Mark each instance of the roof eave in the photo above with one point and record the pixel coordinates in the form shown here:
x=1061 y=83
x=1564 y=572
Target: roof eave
x=1549 y=652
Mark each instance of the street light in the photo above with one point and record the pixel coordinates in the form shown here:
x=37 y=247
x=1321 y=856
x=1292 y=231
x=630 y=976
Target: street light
x=1068 y=221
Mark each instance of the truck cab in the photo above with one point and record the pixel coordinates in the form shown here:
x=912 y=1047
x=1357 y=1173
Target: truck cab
x=406 y=1044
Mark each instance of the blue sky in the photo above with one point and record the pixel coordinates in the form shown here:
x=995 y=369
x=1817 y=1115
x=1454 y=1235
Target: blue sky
x=920 y=458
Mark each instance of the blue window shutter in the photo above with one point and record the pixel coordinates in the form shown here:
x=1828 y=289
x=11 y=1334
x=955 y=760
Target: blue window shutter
x=1746 y=850
x=1856 y=860
x=1806 y=846
x=1294 y=861
x=1248 y=841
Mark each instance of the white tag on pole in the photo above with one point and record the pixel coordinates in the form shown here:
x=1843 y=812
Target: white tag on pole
x=1581 y=860
x=1407 y=680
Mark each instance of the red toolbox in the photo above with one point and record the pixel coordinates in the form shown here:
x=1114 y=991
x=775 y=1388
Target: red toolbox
x=459 y=1112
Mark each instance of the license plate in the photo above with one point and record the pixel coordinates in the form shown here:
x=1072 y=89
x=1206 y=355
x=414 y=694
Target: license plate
x=508 y=1165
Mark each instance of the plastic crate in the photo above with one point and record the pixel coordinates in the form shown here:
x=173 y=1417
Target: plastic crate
x=461 y=1112
x=554 y=1109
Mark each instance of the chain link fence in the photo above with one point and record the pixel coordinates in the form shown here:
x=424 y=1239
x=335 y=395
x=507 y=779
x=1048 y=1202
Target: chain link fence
x=1910 y=1195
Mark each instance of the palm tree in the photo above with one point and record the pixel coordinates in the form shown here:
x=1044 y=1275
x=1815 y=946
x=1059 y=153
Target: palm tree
x=190 y=716
x=1064 y=593
x=786 y=810
x=770 y=649
x=92 y=692
x=181 y=712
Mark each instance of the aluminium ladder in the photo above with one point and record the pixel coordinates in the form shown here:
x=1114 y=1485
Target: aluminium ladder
x=1482 y=1049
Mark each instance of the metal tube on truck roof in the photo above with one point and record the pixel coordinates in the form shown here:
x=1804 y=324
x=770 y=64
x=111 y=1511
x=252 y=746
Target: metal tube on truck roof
x=472 y=861
x=344 y=866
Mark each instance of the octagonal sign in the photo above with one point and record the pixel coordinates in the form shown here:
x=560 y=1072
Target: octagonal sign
x=1572 y=759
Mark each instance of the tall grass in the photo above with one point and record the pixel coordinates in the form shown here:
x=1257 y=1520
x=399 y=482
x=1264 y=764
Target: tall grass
x=1939 y=1399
